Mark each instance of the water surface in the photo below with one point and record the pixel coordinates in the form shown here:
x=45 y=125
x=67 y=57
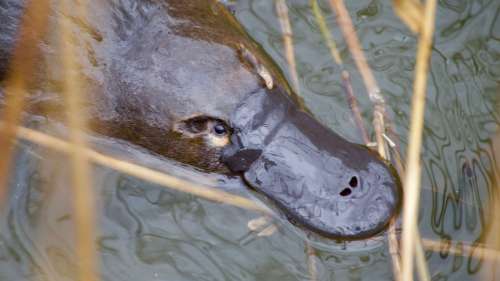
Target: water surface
x=147 y=232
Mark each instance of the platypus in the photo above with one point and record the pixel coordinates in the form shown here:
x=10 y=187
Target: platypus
x=184 y=80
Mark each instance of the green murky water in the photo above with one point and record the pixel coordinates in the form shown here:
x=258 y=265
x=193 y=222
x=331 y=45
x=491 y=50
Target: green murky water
x=149 y=233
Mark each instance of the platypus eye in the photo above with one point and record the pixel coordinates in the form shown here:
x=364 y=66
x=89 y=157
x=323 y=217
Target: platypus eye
x=220 y=129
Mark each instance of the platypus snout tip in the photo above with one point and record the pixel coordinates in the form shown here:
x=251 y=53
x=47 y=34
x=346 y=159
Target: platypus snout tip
x=367 y=203
x=337 y=201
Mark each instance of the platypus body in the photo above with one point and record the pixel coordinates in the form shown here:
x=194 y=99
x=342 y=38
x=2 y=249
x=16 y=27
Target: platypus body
x=184 y=80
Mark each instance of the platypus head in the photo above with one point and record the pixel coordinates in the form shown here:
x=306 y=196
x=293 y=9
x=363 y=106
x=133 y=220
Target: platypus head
x=325 y=183
x=252 y=125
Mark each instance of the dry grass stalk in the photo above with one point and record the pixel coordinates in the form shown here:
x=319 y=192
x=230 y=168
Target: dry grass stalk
x=394 y=250
x=397 y=160
x=396 y=155
x=268 y=231
x=492 y=239
x=332 y=46
x=353 y=104
x=346 y=78
x=83 y=192
x=422 y=269
x=262 y=225
x=392 y=240
x=143 y=173
x=311 y=262
x=463 y=249
x=412 y=177
x=345 y=23
x=411 y=13
x=32 y=29
x=259 y=223
x=286 y=29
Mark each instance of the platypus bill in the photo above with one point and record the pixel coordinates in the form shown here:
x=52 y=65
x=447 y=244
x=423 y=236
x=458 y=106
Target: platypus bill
x=184 y=80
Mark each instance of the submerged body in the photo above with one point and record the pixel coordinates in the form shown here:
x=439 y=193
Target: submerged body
x=183 y=80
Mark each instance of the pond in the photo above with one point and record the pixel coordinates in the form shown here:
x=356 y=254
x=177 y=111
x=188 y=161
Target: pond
x=147 y=232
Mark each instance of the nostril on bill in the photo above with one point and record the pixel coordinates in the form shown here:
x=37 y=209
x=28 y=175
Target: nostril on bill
x=353 y=182
x=345 y=192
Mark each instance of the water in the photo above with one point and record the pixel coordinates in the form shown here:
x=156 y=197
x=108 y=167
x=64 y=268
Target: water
x=147 y=232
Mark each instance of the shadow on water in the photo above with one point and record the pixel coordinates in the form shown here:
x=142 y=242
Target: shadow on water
x=147 y=232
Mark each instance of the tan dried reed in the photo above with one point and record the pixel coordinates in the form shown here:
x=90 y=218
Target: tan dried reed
x=32 y=29
x=143 y=173
x=286 y=30
x=311 y=262
x=460 y=248
x=345 y=23
x=84 y=197
x=346 y=78
x=411 y=13
x=413 y=173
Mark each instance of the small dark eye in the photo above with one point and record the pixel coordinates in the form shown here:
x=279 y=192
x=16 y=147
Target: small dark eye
x=220 y=129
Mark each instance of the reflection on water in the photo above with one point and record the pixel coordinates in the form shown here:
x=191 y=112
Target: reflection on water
x=150 y=233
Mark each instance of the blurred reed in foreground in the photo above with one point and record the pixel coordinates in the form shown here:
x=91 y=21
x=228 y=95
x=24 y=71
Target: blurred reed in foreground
x=84 y=205
x=141 y=172
x=411 y=182
x=286 y=29
x=22 y=63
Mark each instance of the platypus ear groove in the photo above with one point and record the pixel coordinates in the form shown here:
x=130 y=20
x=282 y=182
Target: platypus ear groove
x=248 y=57
x=192 y=125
